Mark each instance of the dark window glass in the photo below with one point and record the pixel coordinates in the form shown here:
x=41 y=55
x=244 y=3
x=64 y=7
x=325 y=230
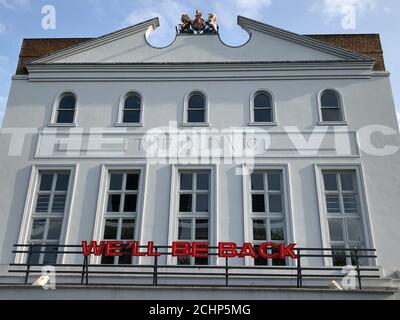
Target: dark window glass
x=59 y=203
x=330 y=182
x=50 y=256
x=347 y=181
x=259 y=230
x=329 y=99
x=331 y=114
x=127 y=230
x=46 y=182
x=201 y=261
x=202 y=203
x=132 y=182
x=202 y=181
x=132 y=102
x=258 y=203
x=65 y=116
x=196 y=116
x=42 y=203
x=126 y=257
x=185 y=229
x=257 y=182
x=196 y=101
x=274 y=181
x=114 y=201
x=106 y=260
x=275 y=203
x=262 y=100
x=62 y=182
x=116 y=181
x=131 y=116
x=339 y=256
x=67 y=102
x=54 y=229
x=111 y=229
x=186 y=181
x=185 y=203
x=263 y=115
x=130 y=203
x=38 y=227
x=201 y=229
x=183 y=261
x=35 y=256
x=277 y=230
x=259 y=261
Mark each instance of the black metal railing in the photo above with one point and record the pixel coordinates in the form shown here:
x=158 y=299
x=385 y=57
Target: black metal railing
x=297 y=269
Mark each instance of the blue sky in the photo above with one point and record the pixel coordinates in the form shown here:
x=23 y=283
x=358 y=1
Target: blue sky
x=91 y=18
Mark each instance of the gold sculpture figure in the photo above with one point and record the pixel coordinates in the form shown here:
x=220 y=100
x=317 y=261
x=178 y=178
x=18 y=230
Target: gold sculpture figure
x=198 y=24
x=185 y=26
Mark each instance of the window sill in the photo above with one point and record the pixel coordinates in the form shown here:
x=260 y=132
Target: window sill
x=137 y=125
x=62 y=125
x=195 y=124
x=263 y=124
x=332 y=123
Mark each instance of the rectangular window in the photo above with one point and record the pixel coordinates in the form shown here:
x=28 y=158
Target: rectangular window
x=343 y=210
x=121 y=211
x=48 y=216
x=268 y=211
x=193 y=215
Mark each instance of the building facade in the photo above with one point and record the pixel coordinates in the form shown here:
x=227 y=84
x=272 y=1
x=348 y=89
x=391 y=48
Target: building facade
x=285 y=139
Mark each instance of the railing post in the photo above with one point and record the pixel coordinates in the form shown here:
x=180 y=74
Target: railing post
x=358 y=269
x=28 y=263
x=226 y=272
x=83 y=269
x=299 y=271
x=155 y=277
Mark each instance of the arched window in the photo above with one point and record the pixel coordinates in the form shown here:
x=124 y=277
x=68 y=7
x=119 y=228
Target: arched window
x=66 y=109
x=262 y=107
x=132 y=108
x=196 y=108
x=331 y=106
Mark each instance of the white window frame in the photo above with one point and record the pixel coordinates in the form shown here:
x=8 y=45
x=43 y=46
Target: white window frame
x=364 y=214
x=54 y=114
x=27 y=219
x=185 y=122
x=273 y=109
x=174 y=206
x=287 y=203
x=102 y=203
x=121 y=105
x=321 y=122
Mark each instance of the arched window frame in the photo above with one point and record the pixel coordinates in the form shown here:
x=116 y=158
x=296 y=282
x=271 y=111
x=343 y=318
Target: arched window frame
x=273 y=121
x=120 y=120
x=341 y=107
x=56 y=104
x=185 y=121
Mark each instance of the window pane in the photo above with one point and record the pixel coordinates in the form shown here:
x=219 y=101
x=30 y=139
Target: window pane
x=277 y=230
x=185 y=203
x=350 y=203
x=202 y=181
x=257 y=181
x=130 y=203
x=336 y=229
x=131 y=116
x=185 y=229
x=196 y=102
x=38 y=227
x=275 y=203
x=330 y=182
x=65 y=116
x=116 y=182
x=54 y=229
x=274 y=181
x=339 y=258
x=331 y=114
x=258 y=203
x=347 y=181
x=46 y=182
x=354 y=231
x=263 y=115
x=50 y=256
x=132 y=102
x=106 y=260
x=132 y=181
x=201 y=229
x=202 y=203
x=114 y=201
x=196 y=116
x=278 y=261
x=62 y=182
x=67 y=102
x=35 y=256
x=259 y=230
x=332 y=204
x=201 y=261
x=260 y=261
x=262 y=100
x=42 y=203
x=111 y=229
x=127 y=230
x=329 y=100
x=59 y=203
x=183 y=261
x=126 y=257
x=186 y=181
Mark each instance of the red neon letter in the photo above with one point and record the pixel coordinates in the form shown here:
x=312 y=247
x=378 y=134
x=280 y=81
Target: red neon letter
x=180 y=249
x=113 y=249
x=150 y=250
x=93 y=246
x=287 y=251
x=227 y=250
x=262 y=250
x=200 y=250
x=248 y=250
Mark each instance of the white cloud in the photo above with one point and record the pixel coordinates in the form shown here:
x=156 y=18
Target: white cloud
x=14 y=4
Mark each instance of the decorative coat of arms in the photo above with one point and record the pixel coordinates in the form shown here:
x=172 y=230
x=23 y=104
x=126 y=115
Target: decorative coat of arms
x=198 y=25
